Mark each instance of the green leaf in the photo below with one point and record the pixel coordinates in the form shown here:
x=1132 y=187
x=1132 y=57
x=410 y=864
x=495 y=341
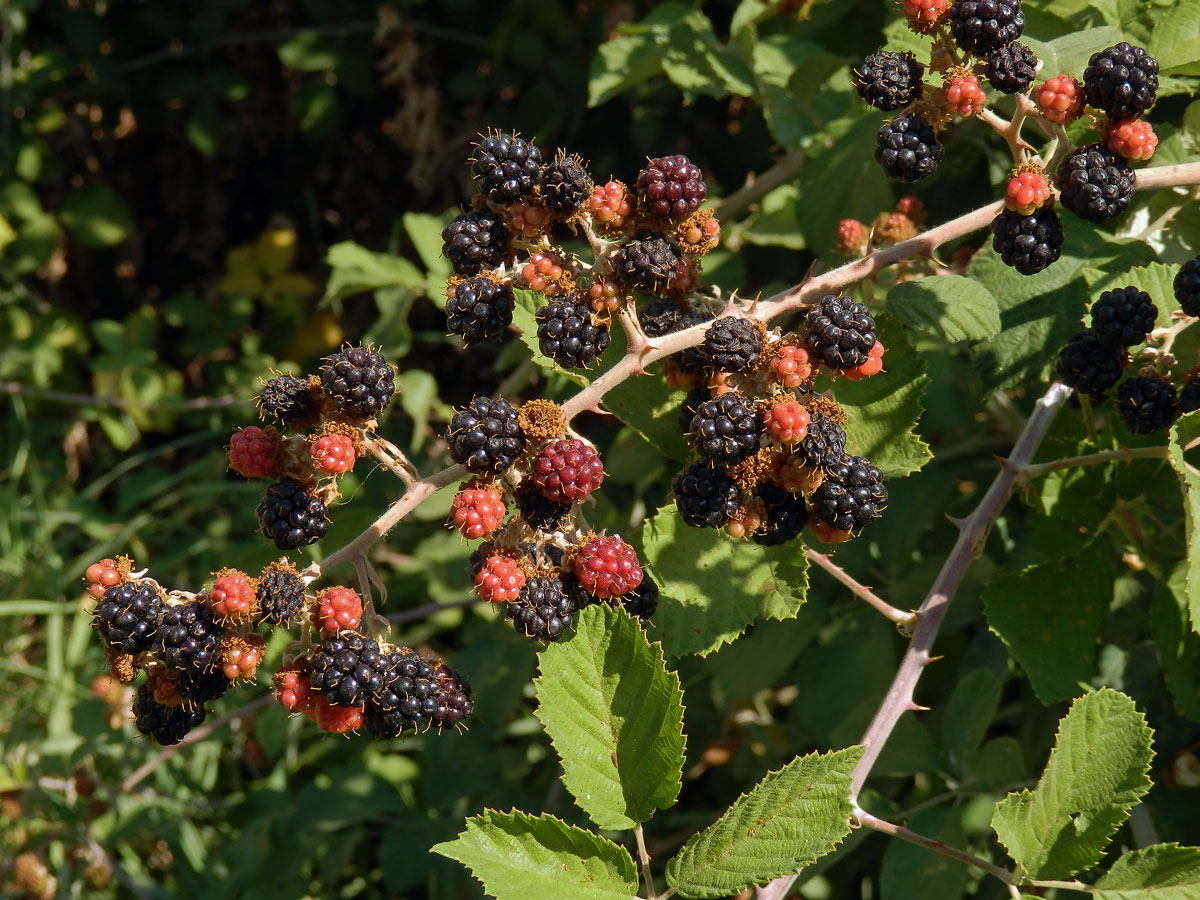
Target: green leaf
x=357 y=270
x=699 y=64
x=315 y=108
x=883 y=410
x=306 y=50
x=713 y=587
x=425 y=232
x=1178 y=647
x=1158 y=872
x=1183 y=433
x=906 y=865
x=204 y=127
x=790 y=819
x=518 y=856
x=1175 y=41
x=1071 y=52
x=96 y=216
x=651 y=408
x=969 y=712
x=776 y=59
x=952 y=307
x=1096 y=773
x=634 y=55
x=1049 y=617
x=615 y=715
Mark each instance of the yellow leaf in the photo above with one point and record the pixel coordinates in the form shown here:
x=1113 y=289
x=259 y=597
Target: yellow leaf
x=291 y=286
x=8 y=234
x=317 y=335
x=248 y=283
x=276 y=249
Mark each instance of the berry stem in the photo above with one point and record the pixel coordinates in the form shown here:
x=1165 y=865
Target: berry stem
x=392 y=458
x=1010 y=130
x=644 y=859
x=905 y=620
x=1125 y=454
x=864 y=818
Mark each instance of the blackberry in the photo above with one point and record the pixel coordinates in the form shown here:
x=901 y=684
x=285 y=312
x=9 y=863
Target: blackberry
x=732 y=344
x=1090 y=366
x=1147 y=403
x=540 y=513
x=189 y=640
x=202 y=687
x=1095 y=183
x=647 y=263
x=1011 y=68
x=410 y=696
x=907 y=148
x=661 y=317
x=670 y=188
x=1189 y=397
x=567 y=470
x=566 y=184
x=889 y=80
x=485 y=436
x=347 y=669
x=981 y=26
x=453 y=696
x=280 y=594
x=691 y=404
x=480 y=310
x=475 y=241
x=1121 y=80
x=567 y=334
x=1028 y=243
x=127 y=616
x=506 y=167
x=851 y=495
x=785 y=516
x=287 y=399
x=642 y=601
x=543 y=610
x=726 y=428
x=840 y=332
x=706 y=496
x=359 y=381
x=291 y=516
x=823 y=446
x=1123 y=317
x=166 y=725
x=1187 y=286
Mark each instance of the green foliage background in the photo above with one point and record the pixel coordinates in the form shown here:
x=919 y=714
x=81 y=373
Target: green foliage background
x=143 y=144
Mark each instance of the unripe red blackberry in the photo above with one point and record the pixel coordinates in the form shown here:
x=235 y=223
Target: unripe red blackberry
x=566 y=184
x=292 y=688
x=726 y=428
x=785 y=515
x=543 y=610
x=924 y=16
x=888 y=80
x=485 y=436
x=1060 y=99
x=540 y=513
x=908 y=148
x=607 y=567
x=127 y=618
x=787 y=422
x=359 y=382
x=646 y=262
x=232 y=597
x=338 y=609
x=791 y=366
x=478 y=509
x=1147 y=403
x=333 y=719
x=1028 y=243
x=1121 y=80
x=568 y=333
x=166 y=725
x=1187 y=286
x=1123 y=317
x=852 y=238
x=670 y=188
x=981 y=26
x=732 y=344
x=851 y=495
x=453 y=697
x=252 y=452
x=824 y=444
x=499 y=579
x=964 y=95
x=506 y=167
x=567 y=470
x=705 y=495
x=475 y=241
x=1095 y=183
x=102 y=575
x=480 y=310
x=840 y=332
x=1011 y=68
x=189 y=638
x=280 y=593
x=547 y=274
x=611 y=206
x=332 y=453
x=291 y=516
x=1027 y=190
x=1090 y=366
x=288 y=399
x=347 y=669
x=873 y=365
x=1131 y=139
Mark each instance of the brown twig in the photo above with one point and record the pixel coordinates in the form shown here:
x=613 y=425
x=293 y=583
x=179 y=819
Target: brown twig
x=906 y=620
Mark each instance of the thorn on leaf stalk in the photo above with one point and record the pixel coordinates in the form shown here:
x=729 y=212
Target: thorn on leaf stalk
x=915 y=707
x=958 y=523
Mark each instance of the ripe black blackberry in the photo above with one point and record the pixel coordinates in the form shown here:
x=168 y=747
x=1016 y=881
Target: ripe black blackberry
x=166 y=725
x=189 y=639
x=690 y=405
x=785 y=516
x=544 y=609
x=1095 y=183
x=540 y=513
x=287 y=399
x=480 y=310
x=201 y=687
x=453 y=696
x=1090 y=366
x=981 y=26
x=475 y=241
x=291 y=516
x=823 y=446
x=1189 y=396
x=732 y=344
x=1147 y=403
x=647 y=263
x=706 y=496
x=1011 y=68
x=888 y=80
x=642 y=601
x=359 y=381
x=1123 y=317
x=1187 y=286
x=908 y=148
x=1121 y=80
x=670 y=188
x=127 y=616
x=506 y=167
x=567 y=334
x=852 y=494
x=1028 y=243
x=661 y=317
x=726 y=428
x=280 y=595
x=566 y=184
x=410 y=697
x=840 y=332
x=485 y=436
x=347 y=669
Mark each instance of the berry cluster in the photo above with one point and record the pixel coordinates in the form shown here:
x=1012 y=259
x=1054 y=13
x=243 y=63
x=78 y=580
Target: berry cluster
x=1095 y=358
x=540 y=565
x=329 y=415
